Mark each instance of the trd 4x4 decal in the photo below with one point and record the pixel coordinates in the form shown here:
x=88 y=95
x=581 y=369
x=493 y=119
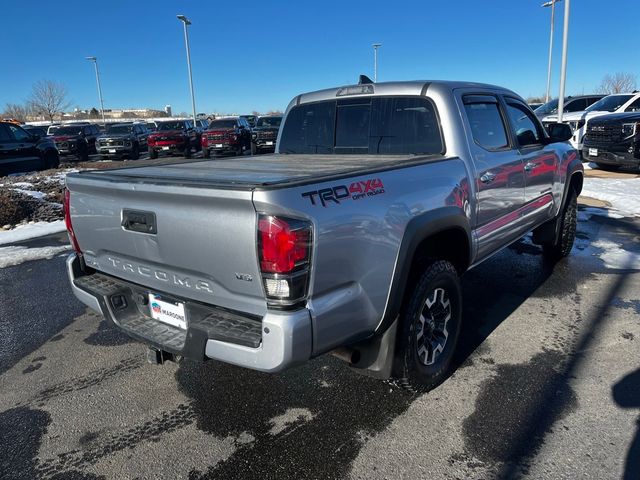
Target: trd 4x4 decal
x=354 y=191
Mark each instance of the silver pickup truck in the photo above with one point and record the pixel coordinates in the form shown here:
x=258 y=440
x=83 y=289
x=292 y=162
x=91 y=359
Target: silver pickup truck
x=350 y=239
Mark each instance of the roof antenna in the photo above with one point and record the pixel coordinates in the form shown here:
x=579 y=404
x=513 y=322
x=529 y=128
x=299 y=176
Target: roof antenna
x=364 y=79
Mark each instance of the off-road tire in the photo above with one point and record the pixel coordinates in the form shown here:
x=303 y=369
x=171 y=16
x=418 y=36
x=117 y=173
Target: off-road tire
x=135 y=152
x=569 y=223
x=409 y=370
x=51 y=160
x=83 y=154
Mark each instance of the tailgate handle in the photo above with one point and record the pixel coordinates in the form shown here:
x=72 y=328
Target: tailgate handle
x=139 y=221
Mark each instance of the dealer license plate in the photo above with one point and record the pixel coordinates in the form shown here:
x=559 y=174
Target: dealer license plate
x=218 y=145
x=112 y=150
x=593 y=152
x=165 y=148
x=268 y=143
x=167 y=311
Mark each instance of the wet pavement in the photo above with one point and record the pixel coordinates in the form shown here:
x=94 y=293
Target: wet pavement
x=546 y=385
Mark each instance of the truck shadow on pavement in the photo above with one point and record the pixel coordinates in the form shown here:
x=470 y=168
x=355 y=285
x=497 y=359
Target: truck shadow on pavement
x=312 y=421
x=626 y=394
x=520 y=405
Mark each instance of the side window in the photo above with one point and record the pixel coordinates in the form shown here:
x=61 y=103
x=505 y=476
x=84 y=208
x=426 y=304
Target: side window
x=524 y=126
x=5 y=134
x=19 y=134
x=487 y=125
x=634 y=107
x=577 y=105
x=592 y=100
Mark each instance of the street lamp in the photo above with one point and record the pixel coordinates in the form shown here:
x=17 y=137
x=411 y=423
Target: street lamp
x=552 y=4
x=186 y=22
x=95 y=64
x=375 y=61
x=565 y=48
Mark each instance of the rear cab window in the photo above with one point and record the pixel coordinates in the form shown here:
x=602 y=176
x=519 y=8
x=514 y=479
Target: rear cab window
x=364 y=125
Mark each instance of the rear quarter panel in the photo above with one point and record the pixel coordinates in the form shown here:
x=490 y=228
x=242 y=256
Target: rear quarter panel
x=357 y=239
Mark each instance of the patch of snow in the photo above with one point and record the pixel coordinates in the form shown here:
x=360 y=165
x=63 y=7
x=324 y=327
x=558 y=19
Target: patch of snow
x=10 y=256
x=32 y=230
x=622 y=194
x=585 y=213
x=32 y=193
x=23 y=184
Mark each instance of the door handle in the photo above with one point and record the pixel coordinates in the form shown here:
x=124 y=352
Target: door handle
x=488 y=177
x=530 y=166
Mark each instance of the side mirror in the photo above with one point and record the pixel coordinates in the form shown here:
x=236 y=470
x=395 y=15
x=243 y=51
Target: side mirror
x=559 y=132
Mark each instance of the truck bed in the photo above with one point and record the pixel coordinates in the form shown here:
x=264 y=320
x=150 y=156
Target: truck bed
x=258 y=171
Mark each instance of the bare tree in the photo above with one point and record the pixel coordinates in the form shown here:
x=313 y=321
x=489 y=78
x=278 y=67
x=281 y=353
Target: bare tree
x=618 y=83
x=48 y=98
x=15 y=111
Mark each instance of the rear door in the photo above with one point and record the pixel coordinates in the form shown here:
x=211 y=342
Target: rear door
x=499 y=175
x=539 y=163
x=22 y=147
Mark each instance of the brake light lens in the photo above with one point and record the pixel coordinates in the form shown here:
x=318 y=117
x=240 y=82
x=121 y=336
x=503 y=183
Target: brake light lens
x=284 y=249
x=67 y=222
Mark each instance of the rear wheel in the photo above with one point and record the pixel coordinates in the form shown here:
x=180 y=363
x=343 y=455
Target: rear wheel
x=562 y=246
x=135 y=152
x=429 y=327
x=83 y=153
x=51 y=160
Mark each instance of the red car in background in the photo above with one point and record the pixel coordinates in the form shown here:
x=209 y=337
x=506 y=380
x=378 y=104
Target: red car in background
x=174 y=136
x=227 y=135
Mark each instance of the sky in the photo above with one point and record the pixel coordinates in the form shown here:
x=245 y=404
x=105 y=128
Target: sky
x=255 y=56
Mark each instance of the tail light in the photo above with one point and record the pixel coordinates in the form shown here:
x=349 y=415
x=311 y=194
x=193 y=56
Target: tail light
x=204 y=141
x=67 y=222
x=151 y=140
x=284 y=247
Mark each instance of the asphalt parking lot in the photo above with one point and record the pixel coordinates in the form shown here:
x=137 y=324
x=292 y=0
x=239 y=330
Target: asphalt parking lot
x=546 y=385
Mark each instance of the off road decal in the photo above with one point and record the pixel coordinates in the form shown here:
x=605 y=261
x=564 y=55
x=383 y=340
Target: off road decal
x=339 y=193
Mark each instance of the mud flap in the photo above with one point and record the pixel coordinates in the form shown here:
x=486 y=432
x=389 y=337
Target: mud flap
x=376 y=354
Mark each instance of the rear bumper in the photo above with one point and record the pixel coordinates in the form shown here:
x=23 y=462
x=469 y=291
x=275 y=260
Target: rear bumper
x=270 y=344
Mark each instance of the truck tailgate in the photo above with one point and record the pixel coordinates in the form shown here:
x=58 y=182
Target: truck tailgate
x=203 y=246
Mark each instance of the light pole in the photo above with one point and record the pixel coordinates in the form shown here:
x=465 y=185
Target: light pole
x=95 y=64
x=552 y=4
x=565 y=47
x=186 y=22
x=375 y=61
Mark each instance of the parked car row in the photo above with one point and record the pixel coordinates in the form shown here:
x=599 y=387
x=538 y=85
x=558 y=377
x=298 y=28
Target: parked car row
x=606 y=131
x=223 y=136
